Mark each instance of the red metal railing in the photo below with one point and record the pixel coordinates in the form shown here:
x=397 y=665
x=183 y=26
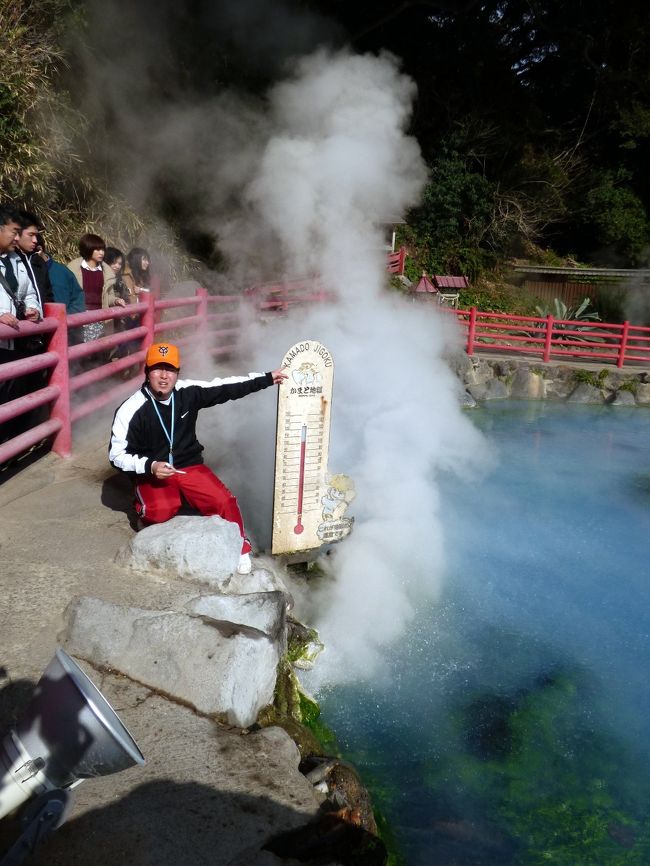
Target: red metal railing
x=395 y=261
x=83 y=379
x=549 y=338
x=17 y=369
x=278 y=297
x=213 y=323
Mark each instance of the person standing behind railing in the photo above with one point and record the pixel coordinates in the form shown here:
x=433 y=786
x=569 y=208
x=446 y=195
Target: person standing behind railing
x=97 y=281
x=65 y=287
x=138 y=269
x=25 y=250
x=18 y=301
x=124 y=288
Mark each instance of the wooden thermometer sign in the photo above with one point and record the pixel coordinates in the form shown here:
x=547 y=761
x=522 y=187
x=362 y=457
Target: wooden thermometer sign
x=308 y=503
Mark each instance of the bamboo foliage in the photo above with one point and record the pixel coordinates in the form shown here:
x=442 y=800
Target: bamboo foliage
x=29 y=60
x=41 y=167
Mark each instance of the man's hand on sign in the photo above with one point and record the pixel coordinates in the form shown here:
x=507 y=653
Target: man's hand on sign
x=278 y=377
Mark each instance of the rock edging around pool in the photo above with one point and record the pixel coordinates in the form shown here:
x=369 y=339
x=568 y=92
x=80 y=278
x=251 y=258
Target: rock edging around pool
x=224 y=645
x=510 y=378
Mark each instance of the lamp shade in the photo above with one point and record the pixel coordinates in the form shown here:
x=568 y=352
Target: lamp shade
x=69 y=732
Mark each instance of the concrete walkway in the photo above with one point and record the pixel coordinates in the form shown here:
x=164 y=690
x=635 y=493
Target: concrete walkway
x=206 y=794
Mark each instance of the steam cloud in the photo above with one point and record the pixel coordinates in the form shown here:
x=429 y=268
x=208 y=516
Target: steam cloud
x=336 y=164
x=294 y=184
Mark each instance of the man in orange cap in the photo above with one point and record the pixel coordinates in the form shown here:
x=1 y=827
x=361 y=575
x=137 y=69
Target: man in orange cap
x=154 y=437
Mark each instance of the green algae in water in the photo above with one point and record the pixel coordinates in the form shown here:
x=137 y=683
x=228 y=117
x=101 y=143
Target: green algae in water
x=311 y=718
x=552 y=788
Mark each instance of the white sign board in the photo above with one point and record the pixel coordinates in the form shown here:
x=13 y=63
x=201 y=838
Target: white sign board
x=308 y=503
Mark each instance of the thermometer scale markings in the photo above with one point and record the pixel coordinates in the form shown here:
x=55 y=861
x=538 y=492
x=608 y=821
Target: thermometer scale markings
x=302 y=467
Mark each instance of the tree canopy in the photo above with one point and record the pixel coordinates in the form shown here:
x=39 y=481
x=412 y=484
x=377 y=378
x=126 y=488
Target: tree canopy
x=533 y=115
x=547 y=102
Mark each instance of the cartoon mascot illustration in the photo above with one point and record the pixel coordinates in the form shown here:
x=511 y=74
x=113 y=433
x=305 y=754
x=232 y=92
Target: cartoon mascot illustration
x=340 y=494
x=307 y=375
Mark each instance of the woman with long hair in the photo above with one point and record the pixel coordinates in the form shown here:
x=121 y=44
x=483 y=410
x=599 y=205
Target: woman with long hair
x=139 y=269
x=124 y=288
x=114 y=258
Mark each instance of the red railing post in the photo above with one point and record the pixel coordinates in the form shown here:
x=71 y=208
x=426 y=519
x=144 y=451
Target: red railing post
x=548 y=336
x=149 y=318
x=62 y=444
x=402 y=260
x=471 y=331
x=202 y=313
x=623 y=344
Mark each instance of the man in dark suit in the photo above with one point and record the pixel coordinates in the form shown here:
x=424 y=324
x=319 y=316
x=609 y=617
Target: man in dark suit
x=25 y=250
x=18 y=301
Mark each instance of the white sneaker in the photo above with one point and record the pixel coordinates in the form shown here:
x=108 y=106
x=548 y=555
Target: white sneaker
x=245 y=565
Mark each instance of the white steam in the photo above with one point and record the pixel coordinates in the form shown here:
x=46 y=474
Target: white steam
x=338 y=163
x=295 y=183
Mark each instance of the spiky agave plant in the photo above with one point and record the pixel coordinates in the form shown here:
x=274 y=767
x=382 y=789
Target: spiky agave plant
x=576 y=313
x=571 y=318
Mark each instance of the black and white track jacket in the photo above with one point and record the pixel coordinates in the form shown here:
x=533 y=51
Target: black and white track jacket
x=137 y=436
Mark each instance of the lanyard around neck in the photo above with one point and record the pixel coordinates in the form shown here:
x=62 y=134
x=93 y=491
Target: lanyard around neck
x=169 y=435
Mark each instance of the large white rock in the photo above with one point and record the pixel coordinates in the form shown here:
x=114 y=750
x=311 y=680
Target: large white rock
x=264 y=612
x=217 y=666
x=260 y=580
x=205 y=549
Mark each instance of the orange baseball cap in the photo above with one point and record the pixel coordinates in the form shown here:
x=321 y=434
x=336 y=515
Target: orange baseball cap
x=163 y=353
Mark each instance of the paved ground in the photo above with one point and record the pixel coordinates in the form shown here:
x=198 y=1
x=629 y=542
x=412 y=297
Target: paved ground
x=206 y=794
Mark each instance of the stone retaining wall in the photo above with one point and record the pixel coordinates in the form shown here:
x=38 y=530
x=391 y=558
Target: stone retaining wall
x=511 y=378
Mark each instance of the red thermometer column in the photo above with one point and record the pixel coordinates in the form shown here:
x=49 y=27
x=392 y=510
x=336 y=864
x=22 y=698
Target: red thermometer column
x=298 y=528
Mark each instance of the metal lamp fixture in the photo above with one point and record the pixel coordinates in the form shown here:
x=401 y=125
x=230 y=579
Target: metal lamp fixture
x=68 y=733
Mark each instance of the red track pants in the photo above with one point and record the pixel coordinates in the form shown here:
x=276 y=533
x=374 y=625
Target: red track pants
x=158 y=500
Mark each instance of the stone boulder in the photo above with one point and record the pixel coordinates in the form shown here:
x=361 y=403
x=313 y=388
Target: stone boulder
x=495 y=389
x=624 y=398
x=643 y=393
x=477 y=392
x=586 y=393
x=461 y=365
x=504 y=367
x=260 y=580
x=204 y=549
x=560 y=383
x=479 y=372
x=527 y=385
x=200 y=658
x=261 y=612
